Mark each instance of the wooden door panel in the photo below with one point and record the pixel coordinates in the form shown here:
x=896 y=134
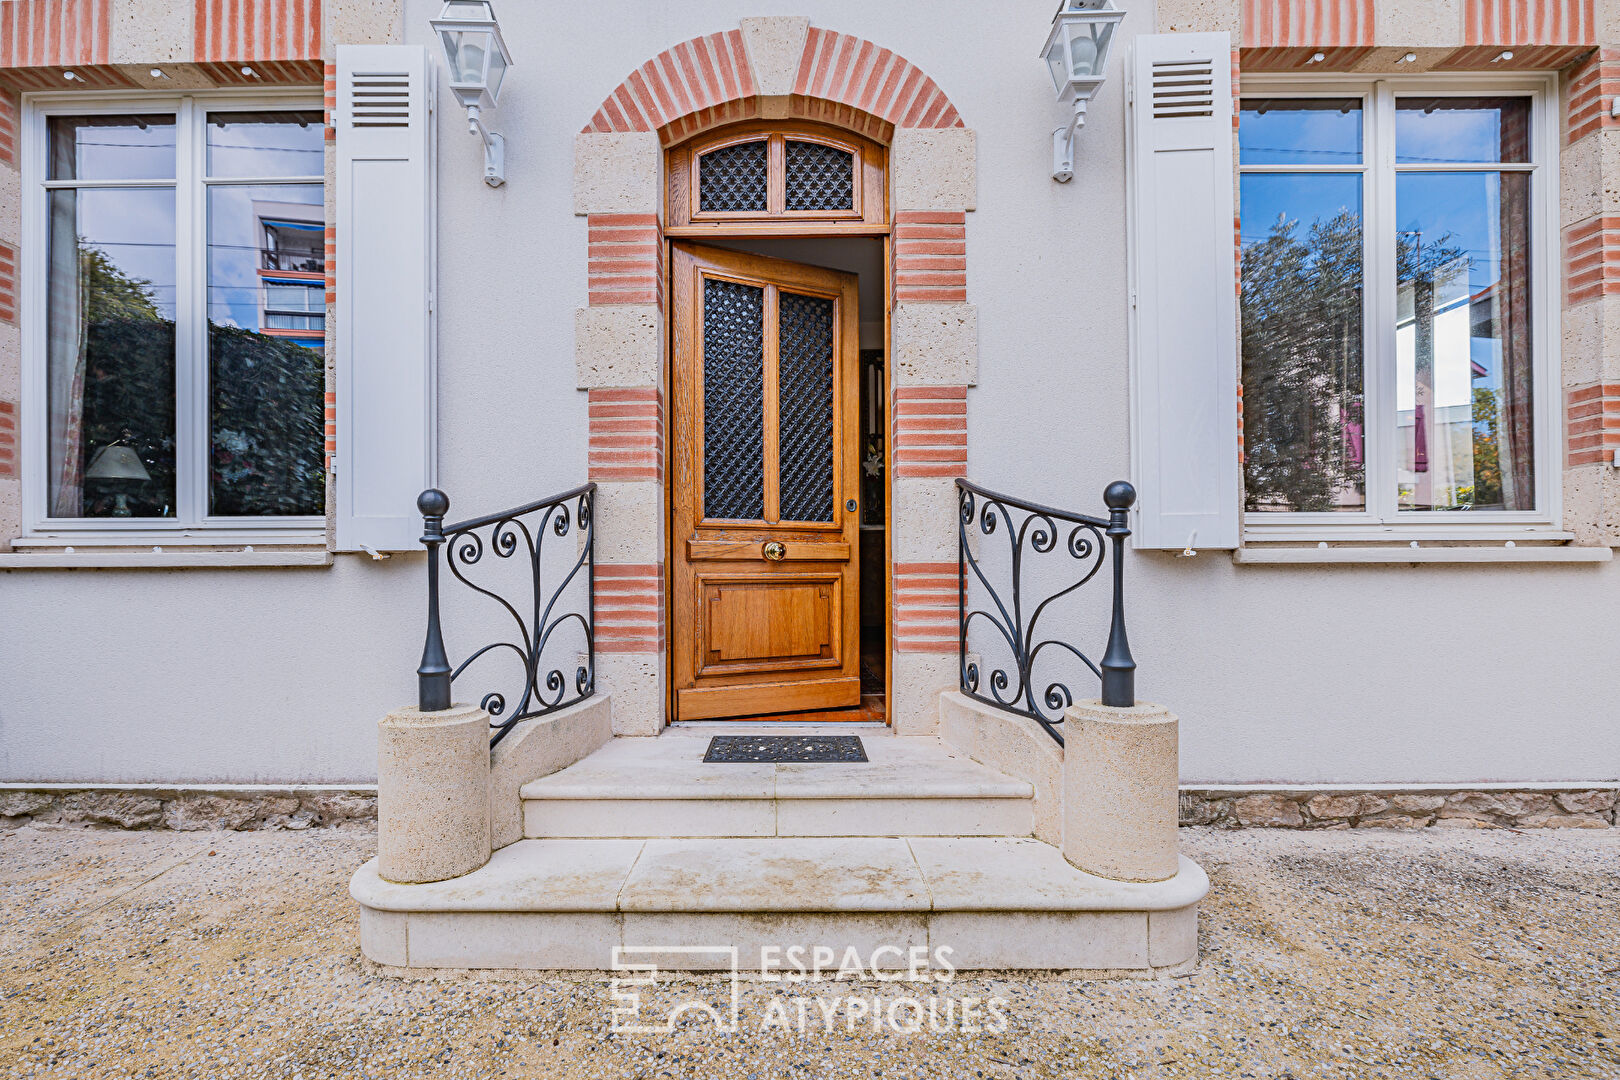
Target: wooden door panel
x=759 y=698
x=768 y=622
x=751 y=550
x=764 y=527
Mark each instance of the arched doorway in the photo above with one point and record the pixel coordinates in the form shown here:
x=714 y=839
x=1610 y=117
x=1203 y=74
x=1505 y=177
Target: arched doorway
x=788 y=77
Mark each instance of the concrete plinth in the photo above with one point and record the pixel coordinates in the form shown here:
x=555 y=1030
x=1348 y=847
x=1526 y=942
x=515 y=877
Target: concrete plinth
x=1120 y=777
x=432 y=794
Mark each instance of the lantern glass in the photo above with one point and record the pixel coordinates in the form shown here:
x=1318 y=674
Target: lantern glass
x=497 y=70
x=1084 y=51
x=1055 y=61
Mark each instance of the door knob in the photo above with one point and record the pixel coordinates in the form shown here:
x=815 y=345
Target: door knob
x=775 y=550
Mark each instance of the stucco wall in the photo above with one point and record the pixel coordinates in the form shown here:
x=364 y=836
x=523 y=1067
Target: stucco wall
x=1344 y=674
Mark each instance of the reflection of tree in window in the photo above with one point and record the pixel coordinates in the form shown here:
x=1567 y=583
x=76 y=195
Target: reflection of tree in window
x=128 y=387
x=1302 y=387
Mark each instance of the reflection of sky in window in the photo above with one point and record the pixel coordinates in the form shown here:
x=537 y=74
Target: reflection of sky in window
x=266 y=144
x=1459 y=134
x=1303 y=197
x=112 y=148
x=135 y=230
x=1315 y=132
x=234 y=240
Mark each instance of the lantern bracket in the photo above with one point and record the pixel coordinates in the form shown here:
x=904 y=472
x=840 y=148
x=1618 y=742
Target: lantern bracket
x=1063 y=140
x=494 y=148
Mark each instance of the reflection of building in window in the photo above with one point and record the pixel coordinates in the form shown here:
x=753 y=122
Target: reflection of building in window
x=292 y=271
x=1445 y=343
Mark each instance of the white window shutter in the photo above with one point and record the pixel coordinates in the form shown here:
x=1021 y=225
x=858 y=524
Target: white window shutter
x=386 y=409
x=1184 y=378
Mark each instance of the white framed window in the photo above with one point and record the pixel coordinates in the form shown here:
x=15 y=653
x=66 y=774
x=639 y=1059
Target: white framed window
x=173 y=280
x=1399 y=313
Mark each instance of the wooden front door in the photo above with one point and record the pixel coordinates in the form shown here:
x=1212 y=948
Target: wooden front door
x=764 y=521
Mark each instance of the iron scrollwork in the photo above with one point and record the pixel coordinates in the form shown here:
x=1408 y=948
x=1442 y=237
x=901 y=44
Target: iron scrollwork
x=1029 y=528
x=543 y=619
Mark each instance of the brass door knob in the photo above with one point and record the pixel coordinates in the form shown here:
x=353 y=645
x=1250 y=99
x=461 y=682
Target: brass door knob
x=775 y=551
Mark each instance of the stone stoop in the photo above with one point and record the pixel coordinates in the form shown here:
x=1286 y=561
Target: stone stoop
x=911 y=786
x=996 y=902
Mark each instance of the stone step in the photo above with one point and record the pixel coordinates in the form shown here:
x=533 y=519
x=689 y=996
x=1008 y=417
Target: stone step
x=996 y=902
x=661 y=787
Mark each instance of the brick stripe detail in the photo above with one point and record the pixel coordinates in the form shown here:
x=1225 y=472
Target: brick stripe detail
x=930 y=431
x=9 y=111
x=630 y=608
x=1334 y=58
x=8 y=283
x=841 y=68
x=1528 y=22
x=625 y=255
x=265 y=72
x=8 y=438
x=626 y=431
x=1307 y=23
x=926 y=607
x=1591 y=260
x=256 y=30
x=729 y=112
x=685 y=89
x=1588 y=95
x=696 y=74
x=55 y=33
x=1594 y=423
x=1525 y=57
x=930 y=255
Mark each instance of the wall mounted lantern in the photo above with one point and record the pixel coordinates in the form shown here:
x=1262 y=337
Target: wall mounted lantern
x=1077 y=54
x=477 y=56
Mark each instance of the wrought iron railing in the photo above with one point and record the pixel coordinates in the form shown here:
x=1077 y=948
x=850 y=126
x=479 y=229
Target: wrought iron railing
x=552 y=616
x=1000 y=604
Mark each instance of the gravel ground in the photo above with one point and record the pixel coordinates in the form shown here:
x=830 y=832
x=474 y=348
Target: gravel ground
x=1325 y=954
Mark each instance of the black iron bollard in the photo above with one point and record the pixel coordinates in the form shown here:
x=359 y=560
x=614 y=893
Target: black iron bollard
x=433 y=677
x=1118 y=668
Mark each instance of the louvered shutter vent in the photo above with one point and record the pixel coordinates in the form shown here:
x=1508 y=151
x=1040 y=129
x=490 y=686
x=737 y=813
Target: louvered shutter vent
x=1184 y=406
x=1183 y=88
x=380 y=99
x=385 y=284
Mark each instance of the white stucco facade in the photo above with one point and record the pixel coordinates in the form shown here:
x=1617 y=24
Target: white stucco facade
x=1349 y=675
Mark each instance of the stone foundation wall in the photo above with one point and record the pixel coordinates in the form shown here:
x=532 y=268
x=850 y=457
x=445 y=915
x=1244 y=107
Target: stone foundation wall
x=187 y=810
x=1573 y=808
x=1416 y=808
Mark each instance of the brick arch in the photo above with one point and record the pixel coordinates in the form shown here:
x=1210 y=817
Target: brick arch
x=708 y=80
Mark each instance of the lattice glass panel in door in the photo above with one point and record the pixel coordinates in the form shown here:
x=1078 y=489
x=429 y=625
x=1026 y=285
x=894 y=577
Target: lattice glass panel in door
x=805 y=396
x=733 y=400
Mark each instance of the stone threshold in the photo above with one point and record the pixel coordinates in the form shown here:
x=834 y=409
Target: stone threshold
x=998 y=902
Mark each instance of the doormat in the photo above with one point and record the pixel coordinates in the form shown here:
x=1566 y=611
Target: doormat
x=784 y=748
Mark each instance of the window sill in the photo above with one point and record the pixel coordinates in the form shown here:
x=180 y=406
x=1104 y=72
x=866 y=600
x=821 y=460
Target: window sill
x=59 y=557
x=1282 y=555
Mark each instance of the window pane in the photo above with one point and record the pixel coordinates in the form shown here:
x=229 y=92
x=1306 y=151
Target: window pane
x=1470 y=129
x=1462 y=342
x=1301 y=306
x=1300 y=131
x=110 y=353
x=819 y=177
x=733 y=400
x=266 y=375
x=805 y=408
x=266 y=144
x=733 y=178
x=111 y=147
